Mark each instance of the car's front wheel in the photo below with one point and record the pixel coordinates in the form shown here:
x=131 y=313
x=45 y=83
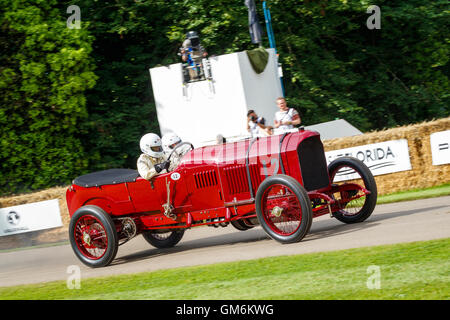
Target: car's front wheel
x=362 y=206
x=283 y=208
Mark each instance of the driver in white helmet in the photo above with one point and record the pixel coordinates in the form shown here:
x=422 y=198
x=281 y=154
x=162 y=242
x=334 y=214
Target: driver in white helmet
x=169 y=142
x=152 y=161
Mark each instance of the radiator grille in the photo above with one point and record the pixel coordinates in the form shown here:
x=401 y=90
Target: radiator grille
x=205 y=179
x=256 y=176
x=236 y=179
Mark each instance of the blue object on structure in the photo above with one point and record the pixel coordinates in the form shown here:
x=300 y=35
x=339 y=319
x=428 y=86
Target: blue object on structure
x=272 y=44
x=191 y=63
x=189 y=58
x=269 y=26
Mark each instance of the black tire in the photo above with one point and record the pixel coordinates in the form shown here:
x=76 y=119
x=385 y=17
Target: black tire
x=370 y=200
x=241 y=225
x=300 y=194
x=159 y=241
x=102 y=224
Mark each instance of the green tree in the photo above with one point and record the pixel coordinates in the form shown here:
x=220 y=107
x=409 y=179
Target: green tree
x=336 y=67
x=130 y=38
x=46 y=68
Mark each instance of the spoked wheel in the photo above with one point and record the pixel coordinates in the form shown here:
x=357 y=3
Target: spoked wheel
x=358 y=205
x=163 y=240
x=93 y=236
x=283 y=209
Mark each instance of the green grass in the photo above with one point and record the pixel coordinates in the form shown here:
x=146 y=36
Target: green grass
x=419 y=270
x=415 y=194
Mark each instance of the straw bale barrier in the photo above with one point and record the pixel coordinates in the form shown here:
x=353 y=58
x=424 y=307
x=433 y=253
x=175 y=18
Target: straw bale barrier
x=43 y=236
x=422 y=175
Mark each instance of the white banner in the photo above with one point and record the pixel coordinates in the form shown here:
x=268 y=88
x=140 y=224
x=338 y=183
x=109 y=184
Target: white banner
x=440 y=147
x=30 y=217
x=381 y=158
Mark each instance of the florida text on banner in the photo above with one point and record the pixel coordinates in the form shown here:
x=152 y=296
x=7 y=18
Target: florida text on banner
x=381 y=158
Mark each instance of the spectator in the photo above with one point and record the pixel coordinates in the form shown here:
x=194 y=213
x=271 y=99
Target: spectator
x=286 y=118
x=192 y=52
x=220 y=139
x=257 y=125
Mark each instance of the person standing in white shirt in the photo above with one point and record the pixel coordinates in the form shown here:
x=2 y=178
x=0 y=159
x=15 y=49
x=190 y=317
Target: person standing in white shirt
x=286 y=118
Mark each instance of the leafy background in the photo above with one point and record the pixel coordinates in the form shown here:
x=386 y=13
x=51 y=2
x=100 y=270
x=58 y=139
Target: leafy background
x=74 y=101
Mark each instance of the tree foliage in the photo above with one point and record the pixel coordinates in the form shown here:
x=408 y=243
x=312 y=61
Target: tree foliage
x=131 y=37
x=337 y=67
x=58 y=119
x=45 y=71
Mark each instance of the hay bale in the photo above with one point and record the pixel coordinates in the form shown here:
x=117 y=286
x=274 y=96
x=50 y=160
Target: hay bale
x=43 y=195
x=42 y=236
x=423 y=173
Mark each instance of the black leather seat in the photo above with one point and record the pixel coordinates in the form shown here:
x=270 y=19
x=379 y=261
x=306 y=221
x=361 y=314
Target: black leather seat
x=105 y=177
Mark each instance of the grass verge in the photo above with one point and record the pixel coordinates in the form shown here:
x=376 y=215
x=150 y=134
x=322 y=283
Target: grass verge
x=418 y=270
x=415 y=194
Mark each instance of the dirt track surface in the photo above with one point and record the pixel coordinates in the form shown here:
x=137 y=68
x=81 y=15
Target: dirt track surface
x=390 y=223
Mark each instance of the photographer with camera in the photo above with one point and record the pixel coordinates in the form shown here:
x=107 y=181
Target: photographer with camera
x=192 y=53
x=257 y=125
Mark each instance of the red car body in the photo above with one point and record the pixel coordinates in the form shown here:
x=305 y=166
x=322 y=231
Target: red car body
x=217 y=185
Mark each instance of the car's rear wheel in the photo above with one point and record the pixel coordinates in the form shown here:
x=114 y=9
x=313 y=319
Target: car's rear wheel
x=283 y=208
x=163 y=240
x=242 y=224
x=93 y=236
x=353 y=171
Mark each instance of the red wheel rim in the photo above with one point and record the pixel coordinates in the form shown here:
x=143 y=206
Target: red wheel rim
x=281 y=210
x=90 y=237
x=355 y=206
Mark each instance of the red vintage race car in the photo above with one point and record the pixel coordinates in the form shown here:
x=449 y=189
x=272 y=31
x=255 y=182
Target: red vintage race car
x=279 y=182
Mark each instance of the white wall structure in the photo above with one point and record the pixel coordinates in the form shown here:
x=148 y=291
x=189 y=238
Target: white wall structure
x=202 y=110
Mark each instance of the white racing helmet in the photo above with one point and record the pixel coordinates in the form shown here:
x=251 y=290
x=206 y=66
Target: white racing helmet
x=151 y=145
x=169 y=141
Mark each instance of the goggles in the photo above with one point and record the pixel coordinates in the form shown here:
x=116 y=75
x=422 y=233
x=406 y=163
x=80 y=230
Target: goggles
x=156 y=149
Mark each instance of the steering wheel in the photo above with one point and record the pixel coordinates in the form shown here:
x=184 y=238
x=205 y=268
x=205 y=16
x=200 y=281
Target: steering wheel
x=179 y=145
